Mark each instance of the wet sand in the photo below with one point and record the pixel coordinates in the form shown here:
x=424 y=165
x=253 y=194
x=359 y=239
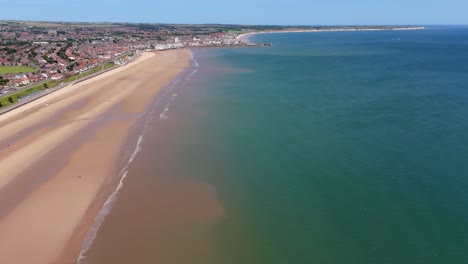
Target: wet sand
x=163 y=214
x=168 y=211
x=61 y=154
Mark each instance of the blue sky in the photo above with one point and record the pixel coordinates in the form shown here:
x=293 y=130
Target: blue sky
x=292 y=12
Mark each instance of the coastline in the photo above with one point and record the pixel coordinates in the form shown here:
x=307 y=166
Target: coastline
x=62 y=85
x=246 y=36
x=164 y=215
x=61 y=155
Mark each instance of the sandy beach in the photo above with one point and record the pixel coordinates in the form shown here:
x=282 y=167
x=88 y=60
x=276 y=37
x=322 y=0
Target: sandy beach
x=246 y=36
x=61 y=153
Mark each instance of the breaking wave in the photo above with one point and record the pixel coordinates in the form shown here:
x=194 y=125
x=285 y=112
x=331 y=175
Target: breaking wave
x=160 y=108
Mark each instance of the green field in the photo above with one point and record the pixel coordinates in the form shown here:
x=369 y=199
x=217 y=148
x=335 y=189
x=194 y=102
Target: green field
x=16 y=69
x=87 y=73
x=124 y=57
x=236 y=31
x=4 y=100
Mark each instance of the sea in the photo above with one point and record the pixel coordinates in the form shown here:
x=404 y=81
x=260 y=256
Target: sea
x=328 y=147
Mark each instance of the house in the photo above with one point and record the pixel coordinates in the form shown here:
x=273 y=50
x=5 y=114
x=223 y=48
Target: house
x=57 y=76
x=20 y=82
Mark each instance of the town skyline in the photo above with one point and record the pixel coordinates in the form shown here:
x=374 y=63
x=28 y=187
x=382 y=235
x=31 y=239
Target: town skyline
x=38 y=56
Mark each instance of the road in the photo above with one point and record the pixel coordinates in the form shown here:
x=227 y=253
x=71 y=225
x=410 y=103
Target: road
x=49 y=91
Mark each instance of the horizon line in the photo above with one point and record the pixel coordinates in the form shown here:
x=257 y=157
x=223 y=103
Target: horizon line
x=223 y=24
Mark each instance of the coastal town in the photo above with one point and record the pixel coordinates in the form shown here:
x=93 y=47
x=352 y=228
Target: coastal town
x=234 y=132
x=49 y=53
x=36 y=56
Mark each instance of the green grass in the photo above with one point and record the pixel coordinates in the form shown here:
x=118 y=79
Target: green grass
x=20 y=94
x=124 y=57
x=50 y=84
x=235 y=31
x=89 y=72
x=16 y=69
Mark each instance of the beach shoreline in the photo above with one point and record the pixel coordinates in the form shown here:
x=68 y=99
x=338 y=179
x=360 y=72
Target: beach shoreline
x=68 y=148
x=246 y=36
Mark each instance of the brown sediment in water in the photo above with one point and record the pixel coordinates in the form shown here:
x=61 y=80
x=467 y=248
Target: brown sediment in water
x=65 y=157
x=163 y=214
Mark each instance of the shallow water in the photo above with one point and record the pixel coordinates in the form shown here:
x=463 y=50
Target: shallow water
x=333 y=147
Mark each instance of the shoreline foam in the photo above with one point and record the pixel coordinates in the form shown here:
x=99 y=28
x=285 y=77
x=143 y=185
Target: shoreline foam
x=64 y=205
x=154 y=110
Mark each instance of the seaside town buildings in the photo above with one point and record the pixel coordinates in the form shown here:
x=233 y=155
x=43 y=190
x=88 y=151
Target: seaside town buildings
x=55 y=51
x=58 y=51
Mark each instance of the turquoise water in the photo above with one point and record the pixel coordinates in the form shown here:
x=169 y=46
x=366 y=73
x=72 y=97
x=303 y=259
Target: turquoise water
x=344 y=148
x=334 y=147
